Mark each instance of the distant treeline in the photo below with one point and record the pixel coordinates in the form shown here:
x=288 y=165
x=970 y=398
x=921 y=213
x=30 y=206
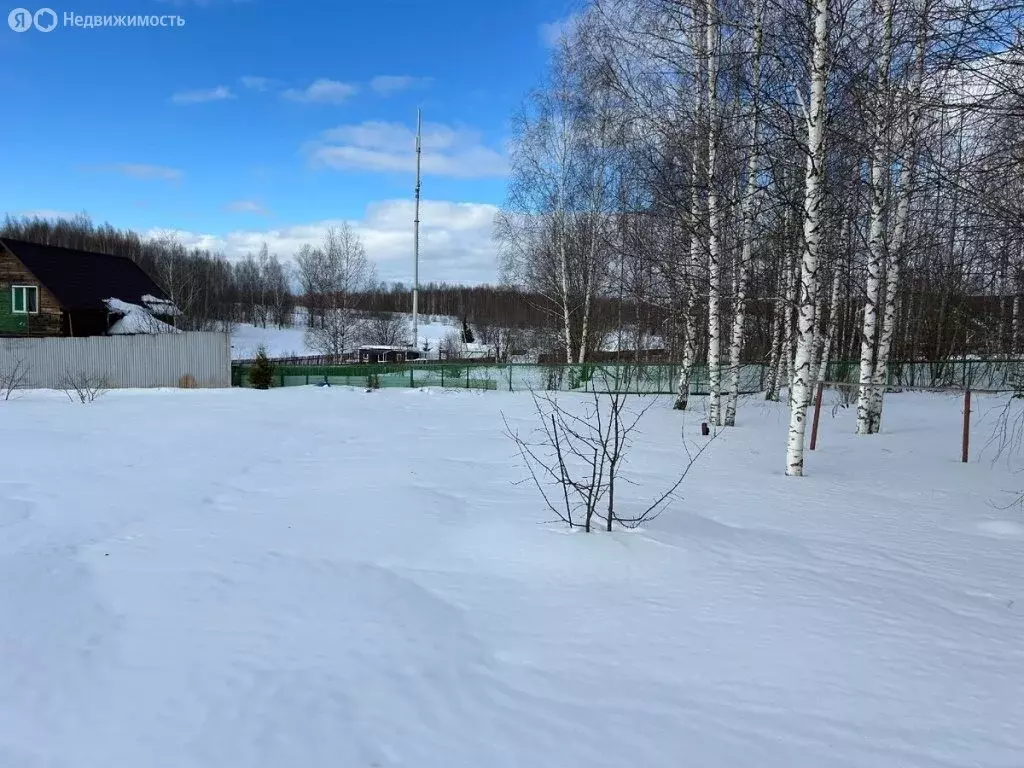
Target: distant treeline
x=214 y=292
x=937 y=319
x=484 y=305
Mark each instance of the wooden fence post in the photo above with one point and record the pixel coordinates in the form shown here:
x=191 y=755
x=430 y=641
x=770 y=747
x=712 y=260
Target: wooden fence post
x=967 y=427
x=817 y=415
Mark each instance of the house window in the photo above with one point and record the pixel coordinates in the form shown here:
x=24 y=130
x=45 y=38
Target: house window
x=24 y=299
x=382 y=357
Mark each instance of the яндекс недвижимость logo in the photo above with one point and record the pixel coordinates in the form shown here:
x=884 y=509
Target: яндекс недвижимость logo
x=46 y=20
x=22 y=19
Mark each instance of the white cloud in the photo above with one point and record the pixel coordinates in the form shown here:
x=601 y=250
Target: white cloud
x=247 y=206
x=455 y=240
x=552 y=32
x=386 y=85
x=322 y=91
x=220 y=93
x=256 y=83
x=387 y=147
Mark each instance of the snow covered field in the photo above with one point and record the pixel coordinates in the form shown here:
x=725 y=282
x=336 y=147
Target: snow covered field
x=291 y=342
x=331 y=579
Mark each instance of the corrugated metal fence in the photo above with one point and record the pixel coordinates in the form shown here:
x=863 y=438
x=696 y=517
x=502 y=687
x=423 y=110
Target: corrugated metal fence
x=160 y=360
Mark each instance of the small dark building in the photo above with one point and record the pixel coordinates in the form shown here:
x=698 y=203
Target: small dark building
x=51 y=291
x=377 y=353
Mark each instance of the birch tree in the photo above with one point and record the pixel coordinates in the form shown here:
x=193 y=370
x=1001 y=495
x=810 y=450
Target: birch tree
x=714 y=219
x=338 y=270
x=879 y=173
x=748 y=208
x=813 y=195
x=553 y=227
x=905 y=190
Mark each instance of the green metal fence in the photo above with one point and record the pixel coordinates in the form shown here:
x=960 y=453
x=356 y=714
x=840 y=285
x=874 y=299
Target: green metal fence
x=512 y=377
x=980 y=375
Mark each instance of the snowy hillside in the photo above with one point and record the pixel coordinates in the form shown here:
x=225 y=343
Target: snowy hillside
x=289 y=342
x=331 y=579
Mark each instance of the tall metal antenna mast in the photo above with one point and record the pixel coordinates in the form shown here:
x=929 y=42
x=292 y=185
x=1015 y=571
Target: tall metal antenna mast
x=416 y=239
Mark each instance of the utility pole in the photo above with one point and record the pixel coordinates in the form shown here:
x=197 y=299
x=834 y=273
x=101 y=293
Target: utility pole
x=416 y=239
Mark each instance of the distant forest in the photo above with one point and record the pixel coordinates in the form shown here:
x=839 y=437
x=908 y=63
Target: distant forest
x=264 y=289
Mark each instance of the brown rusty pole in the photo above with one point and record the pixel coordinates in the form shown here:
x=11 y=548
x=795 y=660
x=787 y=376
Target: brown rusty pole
x=967 y=426
x=817 y=414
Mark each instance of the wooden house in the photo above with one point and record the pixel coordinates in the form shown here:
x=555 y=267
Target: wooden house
x=51 y=291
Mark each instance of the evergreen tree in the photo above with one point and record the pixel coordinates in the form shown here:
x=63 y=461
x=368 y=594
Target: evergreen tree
x=261 y=375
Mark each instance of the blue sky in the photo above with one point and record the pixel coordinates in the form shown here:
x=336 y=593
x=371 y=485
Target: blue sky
x=267 y=119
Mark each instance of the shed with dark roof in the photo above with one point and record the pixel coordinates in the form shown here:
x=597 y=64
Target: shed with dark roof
x=50 y=291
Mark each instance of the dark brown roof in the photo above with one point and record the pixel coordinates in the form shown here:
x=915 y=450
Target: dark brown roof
x=82 y=279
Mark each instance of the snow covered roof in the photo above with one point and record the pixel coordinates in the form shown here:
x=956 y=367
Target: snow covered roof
x=160 y=306
x=136 y=320
x=386 y=348
x=140 y=322
x=121 y=307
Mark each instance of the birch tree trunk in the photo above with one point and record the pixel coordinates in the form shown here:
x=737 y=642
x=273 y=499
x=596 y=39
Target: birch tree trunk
x=689 y=353
x=880 y=373
x=595 y=266
x=833 y=321
x=789 y=349
x=869 y=329
x=566 y=318
x=813 y=194
x=690 y=321
x=736 y=339
x=714 y=224
x=894 y=253
x=775 y=355
x=1015 y=326
x=876 y=231
x=588 y=299
x=691 y=325
x=747 y=232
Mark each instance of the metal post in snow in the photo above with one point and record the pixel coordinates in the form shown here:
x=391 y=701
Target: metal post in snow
x=965 y=448
x=416 y=237
x=817 y=414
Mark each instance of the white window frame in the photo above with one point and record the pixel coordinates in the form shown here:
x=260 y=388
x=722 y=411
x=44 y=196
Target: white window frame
x=382 y=357
x=24 y=302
